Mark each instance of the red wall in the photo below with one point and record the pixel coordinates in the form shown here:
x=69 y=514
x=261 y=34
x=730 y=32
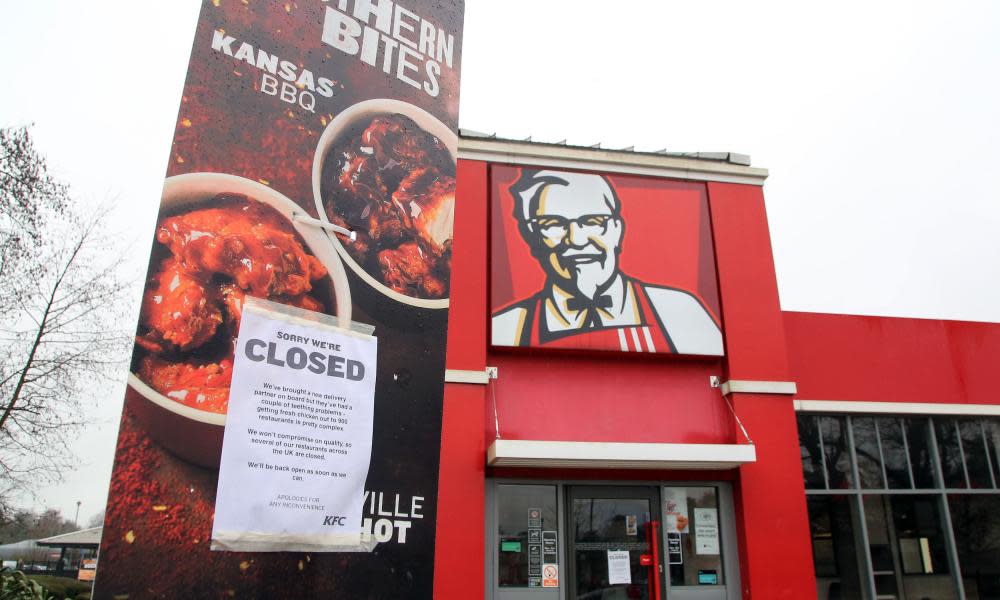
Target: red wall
x=461 y=543
x=607 y=398
x=847 y=357
x=772 y=522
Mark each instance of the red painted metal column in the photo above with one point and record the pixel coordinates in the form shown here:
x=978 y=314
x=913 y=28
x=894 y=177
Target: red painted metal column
x=772 y=522
x=460 y=545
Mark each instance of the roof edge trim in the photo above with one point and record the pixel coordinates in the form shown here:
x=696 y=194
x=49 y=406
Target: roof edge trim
x=896 y=408
x=612 y=161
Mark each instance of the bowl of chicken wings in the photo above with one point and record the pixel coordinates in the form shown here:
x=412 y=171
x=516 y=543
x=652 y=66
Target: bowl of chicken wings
x=219 y=239
x=385 y=170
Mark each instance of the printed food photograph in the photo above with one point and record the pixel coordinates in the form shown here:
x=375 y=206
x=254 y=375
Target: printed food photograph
x=393 y=183
x=209 y=260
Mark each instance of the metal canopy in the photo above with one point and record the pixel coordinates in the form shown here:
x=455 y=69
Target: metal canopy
x=618 y=455
x=84 y=538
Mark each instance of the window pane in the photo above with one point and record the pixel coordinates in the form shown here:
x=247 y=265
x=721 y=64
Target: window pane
x=835 y=551
x=917 y=518
x=699 y=561
x=975 y=454
x=897 y=468
x=880 y=546
x=976 y=520
x=918 y=440
x=866 y=450
x=950 y=454
x=809 y=446
x=921 y=547
x=993 y=445
x=600 y=525
x=907 y=547
x=518 y=527
x=838 y=458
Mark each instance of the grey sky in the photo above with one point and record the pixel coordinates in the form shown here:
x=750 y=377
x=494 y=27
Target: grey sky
x=879 y=122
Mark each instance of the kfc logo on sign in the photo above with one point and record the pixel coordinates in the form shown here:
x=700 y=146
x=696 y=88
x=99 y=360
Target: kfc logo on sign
x=588 y=261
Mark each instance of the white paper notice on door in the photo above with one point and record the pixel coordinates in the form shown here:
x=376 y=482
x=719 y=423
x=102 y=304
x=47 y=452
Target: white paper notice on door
x=619 y=569
x=706 y=531
x=298 y=436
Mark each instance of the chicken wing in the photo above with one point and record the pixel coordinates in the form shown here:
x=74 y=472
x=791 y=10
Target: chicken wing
x=180 y=312
x=246 y=241
x=203 y=386
x=400 y=146
x=427 y=198
x=406 y=270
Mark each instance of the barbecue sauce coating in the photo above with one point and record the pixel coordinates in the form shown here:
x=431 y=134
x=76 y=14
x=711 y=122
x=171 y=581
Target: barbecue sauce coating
x=191 y=309
x=249 y=243
x=393 y=184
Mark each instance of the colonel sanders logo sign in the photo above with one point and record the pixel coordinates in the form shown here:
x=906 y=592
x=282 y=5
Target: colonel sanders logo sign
x=575 y=226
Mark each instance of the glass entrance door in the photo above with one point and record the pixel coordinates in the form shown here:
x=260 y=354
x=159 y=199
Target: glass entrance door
x=608 y=533
x=697 y=525
x=555 y=540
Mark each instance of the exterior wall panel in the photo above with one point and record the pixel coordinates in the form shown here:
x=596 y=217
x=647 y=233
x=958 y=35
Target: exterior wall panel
x=772 y=521
x=880 y=359
x=458 y=560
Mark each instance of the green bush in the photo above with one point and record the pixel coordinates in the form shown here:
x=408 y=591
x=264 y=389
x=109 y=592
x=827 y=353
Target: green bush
x=61 y=587
x=14 y=585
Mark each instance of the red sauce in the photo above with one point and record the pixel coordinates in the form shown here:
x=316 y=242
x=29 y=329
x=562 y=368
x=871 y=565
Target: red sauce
x=192 y=304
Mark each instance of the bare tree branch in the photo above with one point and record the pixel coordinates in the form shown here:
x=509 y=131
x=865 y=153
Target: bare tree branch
x=61 y=295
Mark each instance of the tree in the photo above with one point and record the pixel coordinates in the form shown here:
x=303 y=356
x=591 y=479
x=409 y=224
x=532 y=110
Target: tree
x=28 y=525
x=61 y=288
x=29 y=197
x=97 y=520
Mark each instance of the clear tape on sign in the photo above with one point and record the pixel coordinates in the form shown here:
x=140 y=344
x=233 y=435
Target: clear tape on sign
x=306 y=317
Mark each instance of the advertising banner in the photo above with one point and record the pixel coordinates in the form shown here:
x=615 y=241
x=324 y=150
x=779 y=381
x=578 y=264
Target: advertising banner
x=592 y=261
x=282 y=422
x=675 y=510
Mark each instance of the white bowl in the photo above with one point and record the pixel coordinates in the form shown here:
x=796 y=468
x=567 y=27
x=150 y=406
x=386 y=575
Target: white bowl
x=345 y=122
x=195 y=434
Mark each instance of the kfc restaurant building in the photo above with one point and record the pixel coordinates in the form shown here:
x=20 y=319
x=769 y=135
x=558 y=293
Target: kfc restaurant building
x=630 y=414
